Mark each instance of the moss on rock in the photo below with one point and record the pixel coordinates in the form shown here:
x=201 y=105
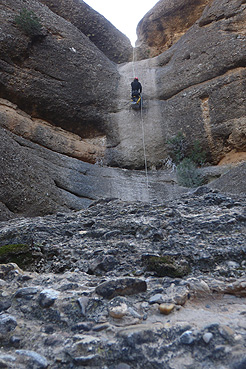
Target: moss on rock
x=20 y=254
x=166 y=266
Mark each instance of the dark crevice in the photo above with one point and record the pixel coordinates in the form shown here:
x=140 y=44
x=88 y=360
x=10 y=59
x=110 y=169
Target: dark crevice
x=8 y=207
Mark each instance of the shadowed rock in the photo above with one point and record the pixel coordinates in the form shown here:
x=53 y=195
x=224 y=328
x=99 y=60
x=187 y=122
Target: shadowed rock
x=62 y=78
x=101 y=32
x=121 y=287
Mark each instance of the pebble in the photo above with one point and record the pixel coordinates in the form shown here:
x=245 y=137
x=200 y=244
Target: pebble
x=187 y=338
x=118 y=312
x=158 y=298
x=207 y=337
x=81 y=327
x=134 y=313
x=5 y=304
x=121 y=287
x=226 y=332
x=122 y=366
x=166 y=308
x=83 y=302
x=84 y=360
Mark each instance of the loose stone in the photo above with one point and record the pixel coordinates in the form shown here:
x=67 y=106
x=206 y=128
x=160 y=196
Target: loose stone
x=47 y=297
x=8 y=323
x=158 y=298
x=187 y=338
x=39 y=361
x=83 y=302
x=166 y=309
x=118 y=312
x=207 y=337
x=26 y=292
x=121 y=287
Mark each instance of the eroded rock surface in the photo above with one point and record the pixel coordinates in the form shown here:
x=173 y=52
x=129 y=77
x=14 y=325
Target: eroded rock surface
x=195 y=87
x=62 y=78
x=101 y=32
x=88 y=305
x=56 y=117
x=165 y=23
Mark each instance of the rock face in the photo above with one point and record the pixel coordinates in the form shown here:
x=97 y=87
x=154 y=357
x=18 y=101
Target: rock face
x=195 y=87
x=47 y=135
x=65 y=103
x=165 y=23
x=204 y=82
x=87 y=298
x=101 y=32
x=37 y=181
x=62 y=77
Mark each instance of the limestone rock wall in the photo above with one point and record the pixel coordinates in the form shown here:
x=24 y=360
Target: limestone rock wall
x=34 y=180
x=64 y=103
x=62 y=77
x=201 y=84
x=101 y=32
x=165 y=23
x=54 y=138
x=197 y=87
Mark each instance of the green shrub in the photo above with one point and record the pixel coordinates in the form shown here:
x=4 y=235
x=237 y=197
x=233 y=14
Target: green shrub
x=29 y=23
x=177 y=147
x=197 y=155
x=188 y=174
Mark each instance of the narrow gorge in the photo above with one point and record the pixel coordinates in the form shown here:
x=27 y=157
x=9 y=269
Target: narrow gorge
x=122 y=231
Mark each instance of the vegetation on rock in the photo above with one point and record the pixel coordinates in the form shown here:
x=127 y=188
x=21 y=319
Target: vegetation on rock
x=165 y=266
x=28 y=22
x=187 y=158
x=19 y=254
x=188 y=174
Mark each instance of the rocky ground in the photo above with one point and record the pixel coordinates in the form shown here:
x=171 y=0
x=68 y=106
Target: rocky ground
x=123 y=285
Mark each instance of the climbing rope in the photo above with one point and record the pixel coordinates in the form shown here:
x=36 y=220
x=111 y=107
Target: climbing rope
x=142 y=123
x=144 y=150
x=133 y=61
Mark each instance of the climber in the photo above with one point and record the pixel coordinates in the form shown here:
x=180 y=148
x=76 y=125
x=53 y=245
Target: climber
x=136 y=102
x=136 y=87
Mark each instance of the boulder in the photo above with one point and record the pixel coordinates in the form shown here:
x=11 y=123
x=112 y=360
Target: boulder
x=114 y=44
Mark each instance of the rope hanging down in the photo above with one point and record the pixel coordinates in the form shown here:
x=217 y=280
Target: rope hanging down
x=142 y=123
x=144 y=150
x=133 y=61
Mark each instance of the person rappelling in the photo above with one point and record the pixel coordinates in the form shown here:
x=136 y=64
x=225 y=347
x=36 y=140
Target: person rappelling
x=136 y=93
x=136 y=87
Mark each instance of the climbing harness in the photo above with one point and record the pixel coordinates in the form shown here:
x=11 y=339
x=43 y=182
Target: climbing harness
x=136 y=101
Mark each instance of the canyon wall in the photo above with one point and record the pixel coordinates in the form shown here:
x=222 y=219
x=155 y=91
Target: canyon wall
x=66 y=93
